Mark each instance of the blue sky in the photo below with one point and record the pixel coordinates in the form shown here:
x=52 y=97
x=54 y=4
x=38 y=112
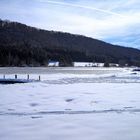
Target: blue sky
x=114 y=21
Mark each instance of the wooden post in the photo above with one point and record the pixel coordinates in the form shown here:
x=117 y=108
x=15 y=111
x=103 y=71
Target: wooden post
x=16 y=76
x=28 y=77
x=39 y=78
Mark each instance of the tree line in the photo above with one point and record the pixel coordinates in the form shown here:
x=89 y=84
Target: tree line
x=22 y=45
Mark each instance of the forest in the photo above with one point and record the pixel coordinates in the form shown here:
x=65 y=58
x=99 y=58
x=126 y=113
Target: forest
x=22 y=45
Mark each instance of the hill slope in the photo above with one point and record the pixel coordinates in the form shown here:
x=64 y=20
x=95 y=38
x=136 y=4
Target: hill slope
x=23 y=45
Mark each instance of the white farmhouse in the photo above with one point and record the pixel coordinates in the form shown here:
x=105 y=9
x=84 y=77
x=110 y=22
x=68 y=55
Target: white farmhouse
x=87 y=64
x=53 y=64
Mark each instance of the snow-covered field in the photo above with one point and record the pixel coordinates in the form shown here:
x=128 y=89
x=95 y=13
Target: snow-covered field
x=71 y=104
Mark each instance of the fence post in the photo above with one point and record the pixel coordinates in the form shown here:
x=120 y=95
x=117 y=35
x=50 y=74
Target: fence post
x=39 y=78
x=16 y=76
x=28 y=77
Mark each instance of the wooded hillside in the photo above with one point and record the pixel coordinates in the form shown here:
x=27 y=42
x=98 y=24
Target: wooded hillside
x=22 y=45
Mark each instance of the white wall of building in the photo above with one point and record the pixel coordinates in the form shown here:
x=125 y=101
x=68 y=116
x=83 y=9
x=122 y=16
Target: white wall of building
x=53 y=64
x=87 y=64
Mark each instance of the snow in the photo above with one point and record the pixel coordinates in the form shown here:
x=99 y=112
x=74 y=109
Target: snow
x=71 y=104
